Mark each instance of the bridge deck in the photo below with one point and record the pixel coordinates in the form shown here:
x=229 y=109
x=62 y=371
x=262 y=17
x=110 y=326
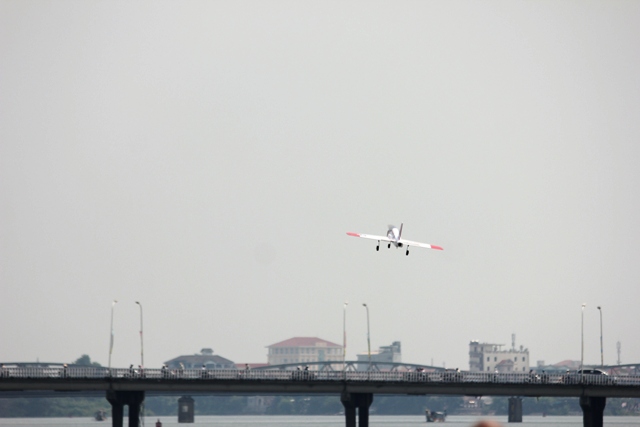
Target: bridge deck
x=14 y=380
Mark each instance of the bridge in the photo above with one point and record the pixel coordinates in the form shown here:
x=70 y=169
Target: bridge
x=356 y=388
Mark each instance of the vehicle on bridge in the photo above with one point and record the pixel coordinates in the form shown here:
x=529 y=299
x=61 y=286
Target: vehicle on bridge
x=588 y=376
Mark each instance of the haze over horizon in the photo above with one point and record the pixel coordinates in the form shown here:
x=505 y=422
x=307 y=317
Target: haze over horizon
x=207 y=159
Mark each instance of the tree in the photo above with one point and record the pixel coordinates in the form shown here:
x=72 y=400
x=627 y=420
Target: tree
x=85 y=360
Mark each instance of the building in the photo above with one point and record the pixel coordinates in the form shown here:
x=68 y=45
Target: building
x=486 y=357
x=206 y=358
x=389 y=353
x=303 y=350
x=565 y=365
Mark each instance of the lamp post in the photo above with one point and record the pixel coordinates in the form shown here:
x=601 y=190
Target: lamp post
x=111 y=340
x=582 y=343
x=601 y=350
x=368 y=335
x=141 y=345
x=344 y=336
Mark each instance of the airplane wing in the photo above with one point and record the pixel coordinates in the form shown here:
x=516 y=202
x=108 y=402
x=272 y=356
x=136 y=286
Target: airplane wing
x=420 y=245
x=371 y=236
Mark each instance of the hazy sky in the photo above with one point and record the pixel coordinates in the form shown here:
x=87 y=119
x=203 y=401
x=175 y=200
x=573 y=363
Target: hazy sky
x=207 y=159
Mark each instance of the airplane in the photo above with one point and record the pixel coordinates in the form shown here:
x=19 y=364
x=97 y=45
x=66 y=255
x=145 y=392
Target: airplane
x=394 y=237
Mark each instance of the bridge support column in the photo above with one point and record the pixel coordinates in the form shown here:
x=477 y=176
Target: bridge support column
x=592 y=410
x=186 y=410
x=515 y=409
x=351 y=401
x=118 y=399
x=117 y=413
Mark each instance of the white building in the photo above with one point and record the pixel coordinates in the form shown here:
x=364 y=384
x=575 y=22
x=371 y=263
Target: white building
x=304 y=350
x=388 y=353
x=486 y=357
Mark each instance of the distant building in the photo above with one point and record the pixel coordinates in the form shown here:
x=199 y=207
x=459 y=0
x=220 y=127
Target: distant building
x=486 y=357
x=303 y=350
x=567 y=364
x=389 y=353
x=206 y=358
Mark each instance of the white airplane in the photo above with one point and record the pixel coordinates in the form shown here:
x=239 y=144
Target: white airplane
x=394 y=237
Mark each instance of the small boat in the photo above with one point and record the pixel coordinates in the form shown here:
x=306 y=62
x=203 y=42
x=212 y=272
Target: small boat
x=435 y=416
x=100 y=415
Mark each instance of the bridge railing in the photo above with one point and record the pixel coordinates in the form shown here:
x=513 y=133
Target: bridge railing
x=99 y=373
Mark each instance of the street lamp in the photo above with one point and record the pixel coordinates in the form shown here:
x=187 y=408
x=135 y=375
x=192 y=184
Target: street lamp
x=582 y=343
x=111 y=341
x=601 y=350
x=141 y=346
x=368 y=335
x=344 y=336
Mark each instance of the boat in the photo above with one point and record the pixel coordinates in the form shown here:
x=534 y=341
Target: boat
x=435 y=416
x=100 y=415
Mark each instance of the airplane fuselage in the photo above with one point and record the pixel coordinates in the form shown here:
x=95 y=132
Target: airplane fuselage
x=394 y=235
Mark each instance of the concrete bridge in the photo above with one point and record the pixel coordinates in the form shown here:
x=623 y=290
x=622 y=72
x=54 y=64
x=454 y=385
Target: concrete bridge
x=356 y=388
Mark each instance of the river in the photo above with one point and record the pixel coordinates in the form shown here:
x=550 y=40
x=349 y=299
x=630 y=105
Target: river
x=318 y=421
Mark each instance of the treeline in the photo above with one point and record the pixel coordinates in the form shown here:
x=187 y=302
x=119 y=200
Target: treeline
x=52 y=407
x=224 y=405
x=562 y=406
x=302 y=405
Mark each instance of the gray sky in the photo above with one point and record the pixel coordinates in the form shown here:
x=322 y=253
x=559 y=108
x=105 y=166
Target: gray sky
x=207 y=159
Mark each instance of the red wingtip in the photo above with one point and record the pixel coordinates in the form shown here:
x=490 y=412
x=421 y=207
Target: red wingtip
x=438 y=248
x=353 y=234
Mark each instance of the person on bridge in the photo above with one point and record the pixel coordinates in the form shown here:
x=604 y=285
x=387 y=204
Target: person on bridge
x=544 y=377
x=158 y=423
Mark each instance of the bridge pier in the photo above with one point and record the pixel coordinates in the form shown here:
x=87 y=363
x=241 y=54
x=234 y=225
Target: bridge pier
x=515 y=409
x=351 y=401
x=118 y=399
x=186 y=411
x=592 y=410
